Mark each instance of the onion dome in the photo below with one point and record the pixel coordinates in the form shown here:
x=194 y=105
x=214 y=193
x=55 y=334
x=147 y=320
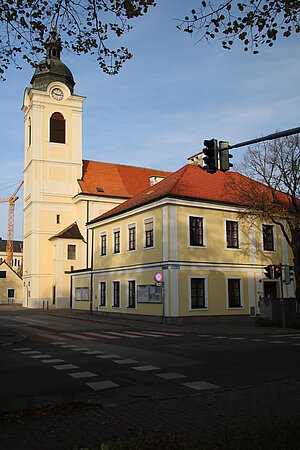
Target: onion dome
x=51 y=68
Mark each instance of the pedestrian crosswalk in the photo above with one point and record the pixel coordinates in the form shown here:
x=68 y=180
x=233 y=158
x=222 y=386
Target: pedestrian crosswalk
x=60 y=338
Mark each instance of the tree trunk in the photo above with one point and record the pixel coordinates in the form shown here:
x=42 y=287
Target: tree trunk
x=296 y=253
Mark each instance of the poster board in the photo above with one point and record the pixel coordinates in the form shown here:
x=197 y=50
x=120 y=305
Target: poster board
x=149 y=293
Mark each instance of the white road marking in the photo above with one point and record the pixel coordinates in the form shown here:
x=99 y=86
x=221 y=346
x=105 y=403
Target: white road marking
x=200 y=385
x=21 y=349
x=55 y=337
x=237 y=339
x=69 y=346
x=82 y=374
x=66 y=367
x=40 y=356
x=31 y=352
x=95 y=352
x=55 y=343
x=170 y=375
x=219 y=337
x=145 y=368
x=257 y=340
x=79 y=336
x=101 y=385
x=278 y=342
x=90 y=333
x=164 y=333
x=110 y=356
x=49 y=361
x=126 y=361
x=79 y=349
x=122 y=334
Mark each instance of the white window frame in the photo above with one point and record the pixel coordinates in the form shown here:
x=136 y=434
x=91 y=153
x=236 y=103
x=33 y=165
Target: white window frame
x=75 y=252
x=131 y=225
x=241 y=294
x=112 y=294
x=239 y=248
x=274 y=238
x=144 y=233
x=127 y=294
x=205 y=292
x=103 y=233
x=99 y=294
x=114 y=230
x=204 y=231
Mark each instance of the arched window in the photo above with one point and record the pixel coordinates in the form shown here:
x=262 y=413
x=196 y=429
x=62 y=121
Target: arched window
x=57 y=128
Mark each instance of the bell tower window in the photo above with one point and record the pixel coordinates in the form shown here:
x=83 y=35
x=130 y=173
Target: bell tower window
x=57 y=128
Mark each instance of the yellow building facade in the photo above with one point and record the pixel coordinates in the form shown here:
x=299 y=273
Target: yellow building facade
x=62 y=192
x=10 y=285
x=210 y=257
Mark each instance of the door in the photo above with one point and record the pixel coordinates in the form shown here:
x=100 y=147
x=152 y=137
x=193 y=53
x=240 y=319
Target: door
x=270 y=289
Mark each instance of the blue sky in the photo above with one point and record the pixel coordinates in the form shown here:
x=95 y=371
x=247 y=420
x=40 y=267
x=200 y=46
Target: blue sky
x=171 y=96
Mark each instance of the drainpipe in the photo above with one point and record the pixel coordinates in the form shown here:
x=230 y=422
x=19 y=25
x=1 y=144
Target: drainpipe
x=87 y=232
x=92 y=267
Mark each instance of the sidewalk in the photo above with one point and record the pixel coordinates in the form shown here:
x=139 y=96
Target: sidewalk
x=210 y=416
x=214 y=327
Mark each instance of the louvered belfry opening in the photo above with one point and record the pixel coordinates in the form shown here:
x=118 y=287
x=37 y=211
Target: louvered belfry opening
x=57 y=128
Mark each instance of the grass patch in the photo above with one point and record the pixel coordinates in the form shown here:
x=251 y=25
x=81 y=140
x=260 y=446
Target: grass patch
x=274 y=436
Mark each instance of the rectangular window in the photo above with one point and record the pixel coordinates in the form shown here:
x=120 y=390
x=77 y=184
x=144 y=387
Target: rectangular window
x=2 y=274
x=10 y=293
x=102 y=295
x=131 y=237
x=268 y=237
x=71 y=251
x=234 y=293
x=82 y=294
x=57 y=218
x=116 y=294
x=232 y=234
x=117 y=241
x=131 y=294
x=196 y=231
x=149 y=233
x=103 y=244
x=197 y=293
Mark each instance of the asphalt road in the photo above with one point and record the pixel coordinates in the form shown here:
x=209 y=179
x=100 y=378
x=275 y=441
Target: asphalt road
x=61 y=359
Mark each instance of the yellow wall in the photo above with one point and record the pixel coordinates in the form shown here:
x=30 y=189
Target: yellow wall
x=12 y=281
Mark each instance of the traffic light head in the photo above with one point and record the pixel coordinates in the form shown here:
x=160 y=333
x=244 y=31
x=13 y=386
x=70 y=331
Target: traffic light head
x=224 y=156
x=277 y=271
x=211 y=155
x=269 y=271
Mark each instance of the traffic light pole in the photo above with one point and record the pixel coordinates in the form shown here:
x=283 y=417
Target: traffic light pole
x=269 y=137
x=282 y=298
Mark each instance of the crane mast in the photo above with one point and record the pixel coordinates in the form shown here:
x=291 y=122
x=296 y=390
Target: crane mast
x=11 y=221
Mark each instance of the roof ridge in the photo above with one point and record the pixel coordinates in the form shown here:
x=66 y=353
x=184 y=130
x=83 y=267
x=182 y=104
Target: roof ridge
x=126 y=165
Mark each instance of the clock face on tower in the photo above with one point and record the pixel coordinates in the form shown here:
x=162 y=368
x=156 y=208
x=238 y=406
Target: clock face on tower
x=57 y=94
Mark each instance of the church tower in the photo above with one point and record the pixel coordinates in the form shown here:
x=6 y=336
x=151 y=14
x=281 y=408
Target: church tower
x=52 y=167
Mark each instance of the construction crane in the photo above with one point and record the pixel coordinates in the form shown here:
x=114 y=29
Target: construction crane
x=11 y=221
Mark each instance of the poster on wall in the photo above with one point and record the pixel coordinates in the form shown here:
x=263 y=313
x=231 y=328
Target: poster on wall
x=149 y=293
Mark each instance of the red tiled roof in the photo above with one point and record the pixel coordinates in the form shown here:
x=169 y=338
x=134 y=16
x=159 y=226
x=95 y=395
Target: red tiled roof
x=192 y=182
x=115 y=180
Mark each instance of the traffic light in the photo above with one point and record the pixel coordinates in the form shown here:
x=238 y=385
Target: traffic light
x=269 y=271
x=224 y=156
x=211 y=155
x=277 y=271
x=287 y=274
